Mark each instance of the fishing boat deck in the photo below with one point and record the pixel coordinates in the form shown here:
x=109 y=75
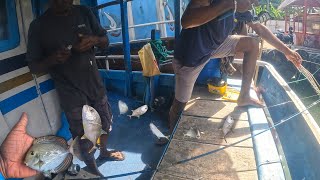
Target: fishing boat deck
x=206 y=112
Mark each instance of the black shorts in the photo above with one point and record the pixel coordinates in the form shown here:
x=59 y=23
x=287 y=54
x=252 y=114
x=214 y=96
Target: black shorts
x=75 y=117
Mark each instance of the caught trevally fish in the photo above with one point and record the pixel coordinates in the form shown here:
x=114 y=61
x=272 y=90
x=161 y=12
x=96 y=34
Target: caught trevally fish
x=123 y=108
x=139 y=111
x=49 y=154
x=162 y=139
x=193 y=133
x=91 y=125
x=227 y=126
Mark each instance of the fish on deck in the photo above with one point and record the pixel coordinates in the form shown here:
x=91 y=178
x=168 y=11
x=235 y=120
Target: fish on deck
x=139 y=111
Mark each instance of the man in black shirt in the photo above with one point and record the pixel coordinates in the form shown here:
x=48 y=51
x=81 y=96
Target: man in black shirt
x=61 y=42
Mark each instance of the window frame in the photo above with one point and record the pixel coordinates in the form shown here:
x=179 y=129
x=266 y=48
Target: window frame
x=13 y=40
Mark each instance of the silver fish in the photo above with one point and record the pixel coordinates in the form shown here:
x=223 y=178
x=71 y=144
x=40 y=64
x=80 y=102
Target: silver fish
x=123 y=108
x=227 y=126
x=49 y=154
x=162 y=139
x=92 y=125
x=139 y=111
x=193 y=133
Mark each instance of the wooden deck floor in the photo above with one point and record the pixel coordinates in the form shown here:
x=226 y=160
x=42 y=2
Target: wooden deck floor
x=206 y=113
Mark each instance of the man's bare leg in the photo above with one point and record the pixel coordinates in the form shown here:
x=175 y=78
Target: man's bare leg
x=250 y=47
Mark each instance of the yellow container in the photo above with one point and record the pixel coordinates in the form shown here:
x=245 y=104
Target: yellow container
x=221 y=90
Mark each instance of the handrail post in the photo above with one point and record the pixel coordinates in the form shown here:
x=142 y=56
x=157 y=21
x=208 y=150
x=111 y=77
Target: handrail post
x=126 y=46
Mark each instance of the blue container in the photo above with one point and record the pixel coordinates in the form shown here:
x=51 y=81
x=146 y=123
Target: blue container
x=210 y=70
x=64 y=131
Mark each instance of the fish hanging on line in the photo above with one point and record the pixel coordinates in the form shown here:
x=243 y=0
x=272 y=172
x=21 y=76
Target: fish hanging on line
x=49 y=154
x=91 y=125
x=227 y=126
x=139 y=111
x=123 y=108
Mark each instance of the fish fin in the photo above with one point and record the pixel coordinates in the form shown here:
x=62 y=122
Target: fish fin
x=40 y=164
x=92 y=149
x=75 y=149
x=104 y=132
x=129 y=116
x=83 y=137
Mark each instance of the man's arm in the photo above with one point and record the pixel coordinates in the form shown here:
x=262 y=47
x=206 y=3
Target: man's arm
x=200 y=12
x=36 y=61
x=39 y=66
x=267 y=35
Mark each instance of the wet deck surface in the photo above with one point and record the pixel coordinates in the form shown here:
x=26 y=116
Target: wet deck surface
x=206 y=112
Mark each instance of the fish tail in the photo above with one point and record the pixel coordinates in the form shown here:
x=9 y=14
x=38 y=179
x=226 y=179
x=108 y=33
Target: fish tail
x=129 y=116
x=75 y=149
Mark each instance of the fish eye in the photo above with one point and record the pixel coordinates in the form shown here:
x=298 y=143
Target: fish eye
x=32 y=153
x=91 y=110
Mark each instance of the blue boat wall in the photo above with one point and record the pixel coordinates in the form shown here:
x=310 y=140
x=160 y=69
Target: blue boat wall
x=299 y=137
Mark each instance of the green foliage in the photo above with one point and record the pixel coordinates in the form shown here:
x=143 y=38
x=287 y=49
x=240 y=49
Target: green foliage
x=274 y=12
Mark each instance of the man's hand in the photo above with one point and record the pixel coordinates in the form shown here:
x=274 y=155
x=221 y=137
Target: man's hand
x=86 y=43
x=13 y=150
x=294 y=57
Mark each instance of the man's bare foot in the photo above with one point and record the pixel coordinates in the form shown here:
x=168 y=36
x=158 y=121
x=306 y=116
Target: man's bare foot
x=111 y=155
x=248 y=101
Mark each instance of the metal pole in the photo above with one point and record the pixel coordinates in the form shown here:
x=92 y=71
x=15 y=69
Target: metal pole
x=126 y=46
x=177 y=16
x=304 y=24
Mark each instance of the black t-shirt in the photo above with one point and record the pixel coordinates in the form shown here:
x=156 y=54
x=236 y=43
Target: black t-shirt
x=77 y=80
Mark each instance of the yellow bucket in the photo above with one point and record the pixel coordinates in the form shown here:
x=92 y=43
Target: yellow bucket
x=221 y=90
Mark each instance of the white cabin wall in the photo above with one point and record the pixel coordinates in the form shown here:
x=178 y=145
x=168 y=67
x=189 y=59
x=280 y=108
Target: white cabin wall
x=41 y=108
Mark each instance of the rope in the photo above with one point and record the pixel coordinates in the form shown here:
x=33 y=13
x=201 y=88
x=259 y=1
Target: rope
x=160 y=52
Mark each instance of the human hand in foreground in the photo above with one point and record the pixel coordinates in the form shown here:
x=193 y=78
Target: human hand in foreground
x=13 y=150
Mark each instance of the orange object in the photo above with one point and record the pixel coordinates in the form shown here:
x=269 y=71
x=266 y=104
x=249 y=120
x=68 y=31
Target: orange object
x=13 y=150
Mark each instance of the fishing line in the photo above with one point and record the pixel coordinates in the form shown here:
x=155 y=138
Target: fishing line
x=310 y=78
x=311 y=62
x=235 y=143
x=291 y=101
x=302 y=79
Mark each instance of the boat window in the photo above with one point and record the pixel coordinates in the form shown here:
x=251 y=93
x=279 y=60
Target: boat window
x=9 y=32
